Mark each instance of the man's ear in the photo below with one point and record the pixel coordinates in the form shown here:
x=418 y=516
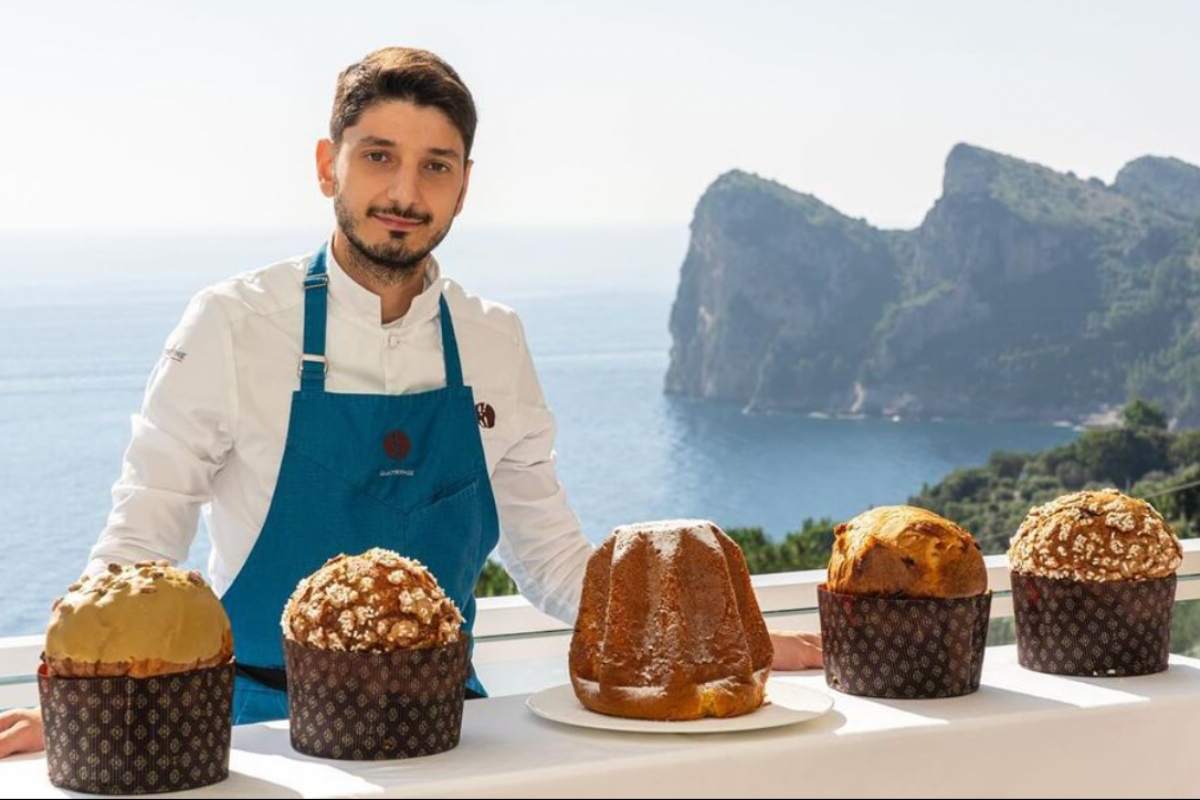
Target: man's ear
x=326 y=160
x=462 y=193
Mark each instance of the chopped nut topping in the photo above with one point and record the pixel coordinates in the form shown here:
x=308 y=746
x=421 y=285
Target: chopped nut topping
x=375 y=601
x=1109 y=536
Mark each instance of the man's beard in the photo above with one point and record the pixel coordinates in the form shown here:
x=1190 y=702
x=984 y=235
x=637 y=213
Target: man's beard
x=392 y=262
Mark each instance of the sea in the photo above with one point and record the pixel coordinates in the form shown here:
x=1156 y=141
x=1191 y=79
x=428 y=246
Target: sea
x=84 y=316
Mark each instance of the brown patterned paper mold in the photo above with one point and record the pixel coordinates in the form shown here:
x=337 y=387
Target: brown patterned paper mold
x=1093 y=579
x=123 y=735
x=369 y=706
x=901 y=647
x=1098 y=629
x=904 y=613
x=376 y=660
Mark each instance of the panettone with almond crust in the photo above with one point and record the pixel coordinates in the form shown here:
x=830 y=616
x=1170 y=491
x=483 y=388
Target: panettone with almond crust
x=1099 y=535
x=376 y=601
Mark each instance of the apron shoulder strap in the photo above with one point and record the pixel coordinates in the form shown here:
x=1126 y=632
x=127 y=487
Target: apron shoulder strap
x=313 y=365
x=454 y=376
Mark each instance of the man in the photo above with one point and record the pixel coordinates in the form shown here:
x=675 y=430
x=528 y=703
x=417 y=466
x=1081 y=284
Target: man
x=351 y=398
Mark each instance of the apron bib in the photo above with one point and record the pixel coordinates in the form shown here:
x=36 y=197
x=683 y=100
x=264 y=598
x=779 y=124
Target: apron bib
x=406 y=472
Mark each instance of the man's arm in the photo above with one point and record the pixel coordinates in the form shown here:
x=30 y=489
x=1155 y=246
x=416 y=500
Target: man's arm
x=541 y=542
x=796 y=650
x=179 y=441
x=21 y=731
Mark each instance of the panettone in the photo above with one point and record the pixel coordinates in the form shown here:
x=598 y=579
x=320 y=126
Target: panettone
x=139 y=620
x=1093 y=586
x=904 y=551
x=377 y=601
x=377 y=661
x=1095 y=536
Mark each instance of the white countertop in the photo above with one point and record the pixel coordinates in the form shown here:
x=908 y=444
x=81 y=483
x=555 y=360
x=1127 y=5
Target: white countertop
x=1021 y=734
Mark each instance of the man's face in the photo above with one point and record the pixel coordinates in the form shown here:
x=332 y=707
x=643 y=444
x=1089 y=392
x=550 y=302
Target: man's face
x=397 y=180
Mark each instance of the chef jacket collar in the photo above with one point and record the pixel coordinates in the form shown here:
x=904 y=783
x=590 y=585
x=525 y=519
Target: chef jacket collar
x=365 y=303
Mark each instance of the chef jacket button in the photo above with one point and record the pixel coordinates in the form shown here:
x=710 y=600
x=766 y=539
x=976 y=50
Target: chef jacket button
x=393 y=340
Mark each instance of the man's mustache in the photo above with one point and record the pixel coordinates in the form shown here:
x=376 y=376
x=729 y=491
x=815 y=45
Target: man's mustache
x=405 y=214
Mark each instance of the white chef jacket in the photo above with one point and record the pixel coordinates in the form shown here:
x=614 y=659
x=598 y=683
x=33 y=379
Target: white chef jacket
x=210 y=434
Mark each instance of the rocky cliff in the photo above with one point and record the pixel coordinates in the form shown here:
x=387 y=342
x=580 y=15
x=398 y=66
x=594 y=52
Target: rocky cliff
x=1025 y=294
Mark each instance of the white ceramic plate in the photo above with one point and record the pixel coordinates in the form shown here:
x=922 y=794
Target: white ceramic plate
x=786 y=704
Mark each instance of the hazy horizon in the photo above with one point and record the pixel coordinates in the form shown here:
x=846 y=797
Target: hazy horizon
x=498 y=262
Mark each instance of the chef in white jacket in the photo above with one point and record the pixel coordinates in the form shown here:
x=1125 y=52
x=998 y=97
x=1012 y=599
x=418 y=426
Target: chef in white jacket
x=212 y=432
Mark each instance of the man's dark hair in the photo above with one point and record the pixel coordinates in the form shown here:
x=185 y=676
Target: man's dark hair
x=402 y=73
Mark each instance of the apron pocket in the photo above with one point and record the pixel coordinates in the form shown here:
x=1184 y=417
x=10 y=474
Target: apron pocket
x=445 y=535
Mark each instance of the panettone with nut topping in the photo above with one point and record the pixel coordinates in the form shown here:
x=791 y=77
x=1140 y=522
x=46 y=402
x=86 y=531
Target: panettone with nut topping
x=139 y=620
x=1095 y=536
x=374 y=602
x=1093 y=586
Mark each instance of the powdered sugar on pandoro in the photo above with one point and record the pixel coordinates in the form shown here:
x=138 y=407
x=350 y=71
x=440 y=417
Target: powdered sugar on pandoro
x=377 y=602
x=664 y=535
x=1099 y=535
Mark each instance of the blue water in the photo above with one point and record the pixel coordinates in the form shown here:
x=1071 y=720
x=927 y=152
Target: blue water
x=82 y=322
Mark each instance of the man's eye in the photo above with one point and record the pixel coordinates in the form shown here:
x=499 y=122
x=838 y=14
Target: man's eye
x=371 y=156
x=438 y=166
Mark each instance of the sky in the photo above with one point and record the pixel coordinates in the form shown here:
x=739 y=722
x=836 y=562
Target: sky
x=133 y=116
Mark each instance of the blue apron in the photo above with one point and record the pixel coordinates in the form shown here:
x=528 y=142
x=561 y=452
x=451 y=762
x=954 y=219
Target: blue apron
x=401 y=471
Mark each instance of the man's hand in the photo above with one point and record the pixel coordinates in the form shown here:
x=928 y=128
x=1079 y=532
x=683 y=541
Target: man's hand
x=21 y=731
x=796 y=650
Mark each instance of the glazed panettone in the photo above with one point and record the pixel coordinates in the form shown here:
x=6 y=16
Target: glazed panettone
x=1099 y=535
x=140 y=620
x=376 y=602
x=904 y=551
x=668 y=626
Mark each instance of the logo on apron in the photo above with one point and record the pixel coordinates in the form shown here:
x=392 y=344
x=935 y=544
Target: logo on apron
x=486 y=415
x=397 y=445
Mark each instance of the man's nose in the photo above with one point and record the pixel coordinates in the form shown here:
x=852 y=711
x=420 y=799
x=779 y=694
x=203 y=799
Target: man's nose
x=405 y=187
